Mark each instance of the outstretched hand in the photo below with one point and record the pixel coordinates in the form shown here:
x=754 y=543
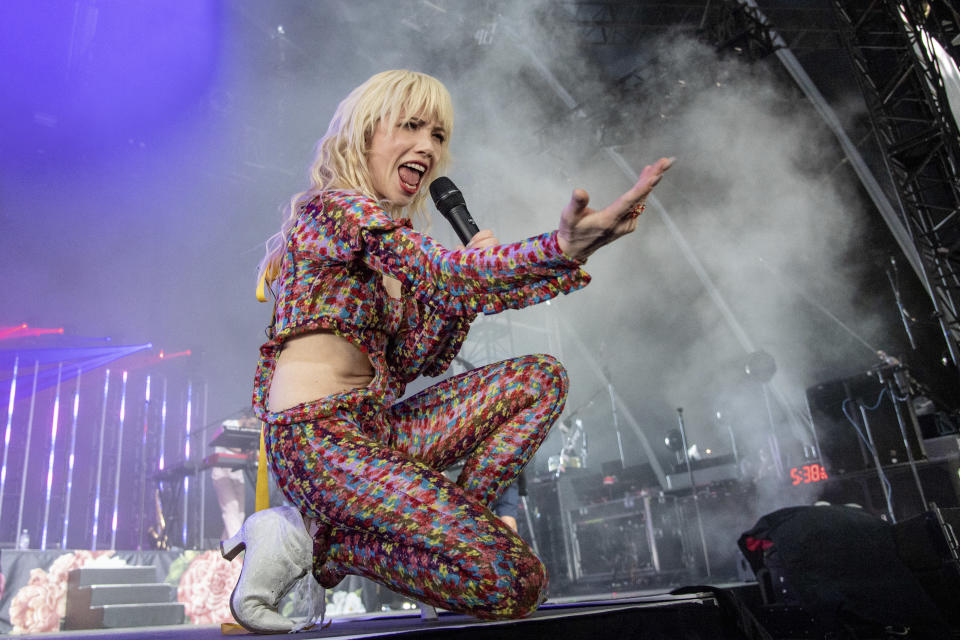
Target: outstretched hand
x=584 y=230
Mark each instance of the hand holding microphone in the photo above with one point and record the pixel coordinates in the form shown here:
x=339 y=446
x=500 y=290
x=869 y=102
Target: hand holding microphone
x=451 y=205
x=483 y=240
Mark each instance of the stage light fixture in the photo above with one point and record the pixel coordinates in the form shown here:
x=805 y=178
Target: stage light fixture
x=673 y=440
x=760 y=366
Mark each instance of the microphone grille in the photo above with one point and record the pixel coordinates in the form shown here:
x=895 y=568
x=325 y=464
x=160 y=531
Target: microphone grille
x=445 y=194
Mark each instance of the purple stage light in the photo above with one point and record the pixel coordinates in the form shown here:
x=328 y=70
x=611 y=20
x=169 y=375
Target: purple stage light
x=86 y=358
x=100 y=73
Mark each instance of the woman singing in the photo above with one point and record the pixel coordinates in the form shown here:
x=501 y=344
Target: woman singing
x=363 y=305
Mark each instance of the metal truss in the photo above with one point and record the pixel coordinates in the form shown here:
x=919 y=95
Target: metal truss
x=494 y=338
x=612 y=22
x=904 y=92
x=624 y=22
x=491 y=339
x=732 y=26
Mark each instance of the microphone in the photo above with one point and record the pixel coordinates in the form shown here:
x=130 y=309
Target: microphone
x=451 y=205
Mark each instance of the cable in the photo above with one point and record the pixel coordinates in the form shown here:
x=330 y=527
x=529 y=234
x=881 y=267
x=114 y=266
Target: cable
x=866 y=441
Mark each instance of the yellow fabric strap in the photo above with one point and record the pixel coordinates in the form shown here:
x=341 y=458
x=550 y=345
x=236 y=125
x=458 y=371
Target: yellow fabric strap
x=262 y=287
x=263 y=492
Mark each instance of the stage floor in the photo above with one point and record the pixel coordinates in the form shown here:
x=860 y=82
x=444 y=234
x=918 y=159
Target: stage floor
x=609 y=617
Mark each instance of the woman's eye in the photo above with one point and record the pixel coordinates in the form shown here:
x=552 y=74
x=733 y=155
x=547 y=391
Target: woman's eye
x=440 y=137
x=413 y=125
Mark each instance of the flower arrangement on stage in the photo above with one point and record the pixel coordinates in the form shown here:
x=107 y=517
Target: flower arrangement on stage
x=38 y=606
x=205 y=585
x=344 y=602
x=203 y=580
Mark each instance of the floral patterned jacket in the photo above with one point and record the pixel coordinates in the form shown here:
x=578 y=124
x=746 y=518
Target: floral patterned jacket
x=338 y=250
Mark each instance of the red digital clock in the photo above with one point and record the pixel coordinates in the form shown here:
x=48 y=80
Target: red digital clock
x=808 y=474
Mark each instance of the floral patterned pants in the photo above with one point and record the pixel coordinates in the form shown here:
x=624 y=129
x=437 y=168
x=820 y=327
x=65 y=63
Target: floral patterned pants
x=372 y=477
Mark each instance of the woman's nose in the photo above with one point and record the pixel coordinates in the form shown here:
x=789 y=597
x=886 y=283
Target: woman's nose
x=425 y=142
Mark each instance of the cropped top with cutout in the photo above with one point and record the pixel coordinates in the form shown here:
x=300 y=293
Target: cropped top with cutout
x=330 y=278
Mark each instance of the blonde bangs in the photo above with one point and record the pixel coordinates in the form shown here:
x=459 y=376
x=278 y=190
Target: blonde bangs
x=340 y=161
x=416 y=95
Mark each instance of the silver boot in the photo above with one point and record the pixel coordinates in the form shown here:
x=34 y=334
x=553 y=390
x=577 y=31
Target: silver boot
x=279 y=551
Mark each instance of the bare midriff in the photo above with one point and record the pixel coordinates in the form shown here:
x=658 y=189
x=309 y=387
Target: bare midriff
x=318 y=364
x=314 y=365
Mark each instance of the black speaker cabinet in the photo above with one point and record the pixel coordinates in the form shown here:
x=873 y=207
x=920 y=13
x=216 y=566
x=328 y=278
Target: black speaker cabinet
x=546 y=515
x=842 y=449
x=939 y=481
x=927 y=544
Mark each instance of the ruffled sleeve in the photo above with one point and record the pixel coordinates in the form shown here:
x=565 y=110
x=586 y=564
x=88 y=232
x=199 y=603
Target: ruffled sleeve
x=449 y=283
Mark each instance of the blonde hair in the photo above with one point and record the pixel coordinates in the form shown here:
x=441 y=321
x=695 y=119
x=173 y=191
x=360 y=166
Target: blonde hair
x=341 y=156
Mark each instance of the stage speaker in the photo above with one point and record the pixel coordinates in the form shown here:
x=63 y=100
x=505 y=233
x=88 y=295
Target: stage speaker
x=627 y=541
x=614 y=548
x=939 y=482
x=842 y=449
x=843 y=566
x=546 y=496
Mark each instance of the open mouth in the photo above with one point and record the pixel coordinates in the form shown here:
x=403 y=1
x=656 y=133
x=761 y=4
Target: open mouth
x=411 y=173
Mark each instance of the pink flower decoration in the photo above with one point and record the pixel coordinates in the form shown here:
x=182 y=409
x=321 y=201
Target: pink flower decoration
x=34 y=608
x=39 y=605
x=205 y=588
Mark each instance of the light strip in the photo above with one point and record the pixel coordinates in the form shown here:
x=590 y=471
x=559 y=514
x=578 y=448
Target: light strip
x=116 y=480
x=70 y=459
x=50 y=459
x=103 y=426
x=203 y=486
x=163 y=425
x=26 y=450
x=6 y=435
x=186 y=458
x=141 y=511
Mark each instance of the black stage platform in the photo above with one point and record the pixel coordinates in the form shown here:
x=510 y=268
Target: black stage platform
x=692 y=616
x=727 y=612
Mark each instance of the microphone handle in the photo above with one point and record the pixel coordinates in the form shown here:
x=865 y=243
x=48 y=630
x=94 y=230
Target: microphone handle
x=461 y=221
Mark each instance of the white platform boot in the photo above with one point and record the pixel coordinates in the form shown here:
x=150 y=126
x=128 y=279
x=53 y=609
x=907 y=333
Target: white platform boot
x=279 y=551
